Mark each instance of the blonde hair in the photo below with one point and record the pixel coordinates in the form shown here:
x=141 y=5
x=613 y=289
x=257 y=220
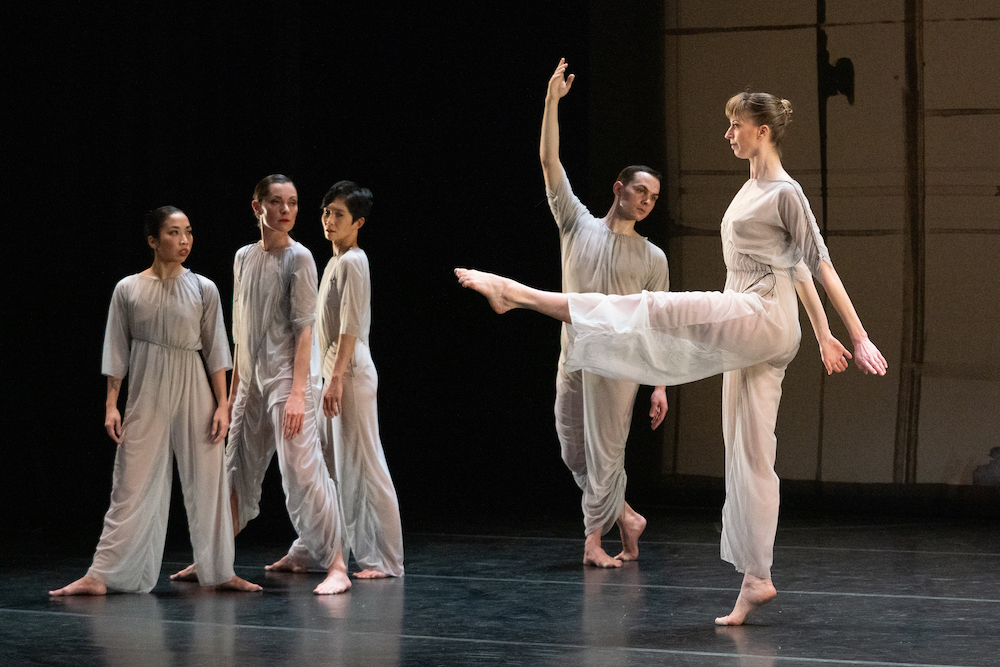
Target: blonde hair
x=762 y=109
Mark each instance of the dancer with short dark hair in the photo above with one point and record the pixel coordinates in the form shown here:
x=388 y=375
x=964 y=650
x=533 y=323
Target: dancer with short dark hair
x=349 y=430
x=594 y=413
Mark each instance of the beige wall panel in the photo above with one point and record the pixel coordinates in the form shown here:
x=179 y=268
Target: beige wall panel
x=962 y=296
x=865 y=141
x=859 y=207
x=962 y=154
x=935 y=10
x=860 y=410
x=959 y=423
x=871 y=268
x=947 y=207
x=700 y=14
x=699 y=406
x=704 y=198
x=700 y=266
x=961 y=61
x=862 y=11
x=700 y=450
x=712 y=68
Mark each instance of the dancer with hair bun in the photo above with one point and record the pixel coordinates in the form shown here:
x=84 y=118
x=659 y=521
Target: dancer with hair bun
x=162 y=324
x=749 y=332
x=272 y=398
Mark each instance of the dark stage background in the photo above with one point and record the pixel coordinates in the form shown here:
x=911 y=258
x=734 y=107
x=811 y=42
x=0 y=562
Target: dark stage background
x=116 y=109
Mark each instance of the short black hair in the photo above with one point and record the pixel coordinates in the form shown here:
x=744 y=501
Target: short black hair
x=357 y=199
x=627 y=175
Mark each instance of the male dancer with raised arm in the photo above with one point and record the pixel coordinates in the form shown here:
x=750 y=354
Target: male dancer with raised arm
x=606 y=255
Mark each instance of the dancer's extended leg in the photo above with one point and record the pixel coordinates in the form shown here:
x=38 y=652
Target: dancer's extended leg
x=505 y=294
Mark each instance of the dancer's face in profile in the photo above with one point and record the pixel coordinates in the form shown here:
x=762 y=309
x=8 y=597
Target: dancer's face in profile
x=744 y=137
x=174 y=243
x=338 y=224
x=637 y=199
x=279 y=208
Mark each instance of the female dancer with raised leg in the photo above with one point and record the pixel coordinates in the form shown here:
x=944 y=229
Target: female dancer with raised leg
x=750 y=331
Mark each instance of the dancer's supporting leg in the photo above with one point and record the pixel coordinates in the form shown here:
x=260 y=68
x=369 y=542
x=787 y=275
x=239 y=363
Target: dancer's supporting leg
x=608 y=405
x=750 y=516
x=311 y=499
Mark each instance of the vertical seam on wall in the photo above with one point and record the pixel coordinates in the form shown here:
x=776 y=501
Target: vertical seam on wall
x=822 y=60
x=914 y=253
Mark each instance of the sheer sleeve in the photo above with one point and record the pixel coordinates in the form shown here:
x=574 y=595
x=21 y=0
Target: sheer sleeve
x=303 y=290
x=799 y=221
x=214 y=343
x=566 y=207
x=351 y=279
x=659 y=274
x=237 y=309
x=117 y=334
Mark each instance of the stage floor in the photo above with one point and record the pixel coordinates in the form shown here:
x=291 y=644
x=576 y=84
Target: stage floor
x=851 y=591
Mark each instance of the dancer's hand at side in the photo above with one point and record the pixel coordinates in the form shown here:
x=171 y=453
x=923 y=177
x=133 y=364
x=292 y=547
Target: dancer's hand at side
x=220 y=423
x=868 y=358
x=295 y=413
x=332 y=396
x=657 y=406
x=833 y=354
x=113 y=424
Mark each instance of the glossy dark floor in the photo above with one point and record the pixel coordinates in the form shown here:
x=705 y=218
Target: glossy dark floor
x=852 y=591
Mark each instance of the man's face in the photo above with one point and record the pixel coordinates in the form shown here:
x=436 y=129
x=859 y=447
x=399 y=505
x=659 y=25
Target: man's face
x=637 y=199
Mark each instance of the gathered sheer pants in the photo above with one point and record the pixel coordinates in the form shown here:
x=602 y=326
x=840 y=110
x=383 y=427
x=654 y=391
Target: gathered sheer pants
x=171 y=416
x=257 y=432
x=593 y=418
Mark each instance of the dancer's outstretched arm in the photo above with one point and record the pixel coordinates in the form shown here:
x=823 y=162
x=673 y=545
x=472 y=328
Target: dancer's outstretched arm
x=505 y=294
x=866 y=355
x=548 y=150
x=831 y=351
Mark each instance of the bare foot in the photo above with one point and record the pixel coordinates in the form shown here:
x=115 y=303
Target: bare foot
x=286 y=564
x=237 y=584
x=754 y=594
x=630 y=525
x=594 y=554
x=336 y=582
x=187 y=574
x=86 y=585
x=370 y=574
x=494 y=288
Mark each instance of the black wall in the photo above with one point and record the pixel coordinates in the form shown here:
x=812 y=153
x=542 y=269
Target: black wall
x=111 y=111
